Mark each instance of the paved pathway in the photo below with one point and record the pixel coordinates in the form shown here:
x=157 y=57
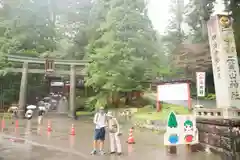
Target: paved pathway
x=28 y=143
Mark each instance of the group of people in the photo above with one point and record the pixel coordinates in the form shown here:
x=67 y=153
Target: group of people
x=103 y=122
x=107 y=121
x=13 y=110
x=41 y=111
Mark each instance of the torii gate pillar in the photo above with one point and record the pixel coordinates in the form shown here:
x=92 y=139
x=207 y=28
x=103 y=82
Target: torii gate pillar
x=72 y=94
x=23 y=91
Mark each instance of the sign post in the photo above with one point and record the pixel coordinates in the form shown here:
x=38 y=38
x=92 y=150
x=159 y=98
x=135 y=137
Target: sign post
x=180 y=130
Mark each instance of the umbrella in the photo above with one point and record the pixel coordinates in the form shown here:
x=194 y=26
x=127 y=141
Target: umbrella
x=46 y=98
x=31 y=107
x=14 y=107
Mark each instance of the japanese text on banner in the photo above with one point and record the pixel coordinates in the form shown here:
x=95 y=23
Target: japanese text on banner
x=215 y=52
x=201 y=84
x=232 y=62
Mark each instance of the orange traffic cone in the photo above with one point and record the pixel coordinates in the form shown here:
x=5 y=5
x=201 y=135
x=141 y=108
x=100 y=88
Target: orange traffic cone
x=49 y=129
x=73 y=130
x=130 y=137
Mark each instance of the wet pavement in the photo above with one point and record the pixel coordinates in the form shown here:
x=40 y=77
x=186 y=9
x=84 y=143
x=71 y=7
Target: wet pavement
x=32 y=142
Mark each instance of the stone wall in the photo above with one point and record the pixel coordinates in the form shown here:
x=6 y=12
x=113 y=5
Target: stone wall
x=222 y=135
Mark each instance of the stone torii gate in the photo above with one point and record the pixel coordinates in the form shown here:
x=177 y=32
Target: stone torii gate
x=49 y=69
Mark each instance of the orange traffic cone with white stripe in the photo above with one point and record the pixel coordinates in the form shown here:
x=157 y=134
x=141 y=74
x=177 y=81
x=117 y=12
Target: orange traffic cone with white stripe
x=130 y=137
x=72 y=130
x=49 y=128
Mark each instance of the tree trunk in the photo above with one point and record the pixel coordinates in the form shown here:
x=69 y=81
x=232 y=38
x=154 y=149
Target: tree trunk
x=115 y=99
x=128 y=98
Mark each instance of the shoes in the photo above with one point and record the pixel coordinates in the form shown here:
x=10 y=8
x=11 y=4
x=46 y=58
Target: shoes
x=93 y=152
x=101 y=152
x=118 y=153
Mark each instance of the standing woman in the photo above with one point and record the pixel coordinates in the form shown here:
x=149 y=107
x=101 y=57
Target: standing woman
x=114 y=133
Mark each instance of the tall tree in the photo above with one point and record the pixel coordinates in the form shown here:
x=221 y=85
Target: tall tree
x=197 y=14
x=122 y=53
x=175 y=34
x=27 y=27
x=233 y=7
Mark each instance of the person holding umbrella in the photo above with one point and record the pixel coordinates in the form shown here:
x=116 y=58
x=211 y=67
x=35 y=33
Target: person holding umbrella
x=13 y=110
x=29 y=112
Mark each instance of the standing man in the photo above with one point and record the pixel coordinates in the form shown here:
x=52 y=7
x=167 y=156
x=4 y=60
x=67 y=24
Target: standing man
x=100 y=120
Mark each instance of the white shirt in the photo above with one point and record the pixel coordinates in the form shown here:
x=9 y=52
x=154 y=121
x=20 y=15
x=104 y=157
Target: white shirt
x=29 y=113
x=100 y=120
x=47 y=105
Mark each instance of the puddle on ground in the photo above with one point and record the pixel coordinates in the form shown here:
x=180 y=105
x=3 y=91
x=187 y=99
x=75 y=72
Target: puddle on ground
x=16 y=140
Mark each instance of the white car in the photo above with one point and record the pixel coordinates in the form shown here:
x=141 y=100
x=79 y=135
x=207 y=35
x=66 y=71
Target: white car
x=198 y=106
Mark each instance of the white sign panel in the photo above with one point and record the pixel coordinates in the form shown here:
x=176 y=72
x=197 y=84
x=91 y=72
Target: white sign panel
x=178 y=91
x=181 y=129
x=201 y=76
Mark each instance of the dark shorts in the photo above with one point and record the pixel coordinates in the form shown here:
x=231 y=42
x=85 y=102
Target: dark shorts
x=99 y=134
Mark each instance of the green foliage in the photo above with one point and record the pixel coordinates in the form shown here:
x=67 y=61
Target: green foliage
x=116 y=36
x=9 y=89
x=234 y=7
x=93 y=103
x=27 y=26
x=123 y=52
x=147 y=113
x=80 y=102
x=197 y=13
x=211 y=96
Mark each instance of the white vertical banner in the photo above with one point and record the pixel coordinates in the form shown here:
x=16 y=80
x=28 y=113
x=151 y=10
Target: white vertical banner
x=201 y=78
